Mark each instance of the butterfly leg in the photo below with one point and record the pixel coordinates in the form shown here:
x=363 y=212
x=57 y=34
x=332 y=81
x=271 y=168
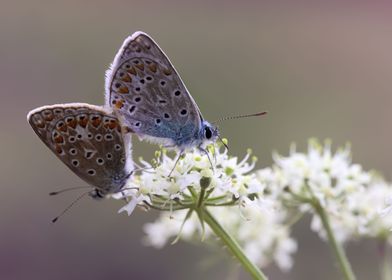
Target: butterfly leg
x=178 y=158
x=214 y=153
x=208 y=156
x=125 y=198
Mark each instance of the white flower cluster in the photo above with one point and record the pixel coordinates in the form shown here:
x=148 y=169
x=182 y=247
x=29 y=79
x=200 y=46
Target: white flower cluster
x=260 y=232
x=228 y=182
x=233 y=195
x=371 y=208
x=255 y=206
x=352 y=197
x=388 y=209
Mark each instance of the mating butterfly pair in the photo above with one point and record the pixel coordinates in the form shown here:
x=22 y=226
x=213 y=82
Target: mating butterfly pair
x=144 y=95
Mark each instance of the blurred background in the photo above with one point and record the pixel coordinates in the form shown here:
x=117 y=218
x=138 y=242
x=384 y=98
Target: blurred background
x=321 y=70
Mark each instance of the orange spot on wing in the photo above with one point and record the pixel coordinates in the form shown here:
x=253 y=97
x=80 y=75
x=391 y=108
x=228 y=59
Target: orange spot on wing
x=123 y=90
x=62 y=127
x=166 y=71
x=140 y=66
x=72 y=123
x=59 y=139
x=119 y=104
x=83 y=122
x=59 y=150
x=153 y=67
x=132 y=70
x=96 y=121
x=127 y=78
x=111 y=124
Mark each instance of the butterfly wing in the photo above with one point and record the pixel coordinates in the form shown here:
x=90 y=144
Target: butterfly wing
x=88 y=140
x=145 y=89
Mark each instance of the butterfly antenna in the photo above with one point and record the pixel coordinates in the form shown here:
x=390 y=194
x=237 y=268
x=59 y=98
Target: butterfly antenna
x=68 y=189
x=69 y=206
x=240 y=117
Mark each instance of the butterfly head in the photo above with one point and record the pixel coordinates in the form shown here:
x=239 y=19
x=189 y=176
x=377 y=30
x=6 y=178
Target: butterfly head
x=209 y=132
x=118 y=183
x=97 y=194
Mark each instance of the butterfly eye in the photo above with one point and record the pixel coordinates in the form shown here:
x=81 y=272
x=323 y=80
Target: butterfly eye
x=207 y=133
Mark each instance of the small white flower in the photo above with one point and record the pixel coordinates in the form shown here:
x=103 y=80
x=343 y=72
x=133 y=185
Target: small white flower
x=388 y=209
x=320 y=174
x=262 y=234
x=369 y=206
x=167 y=226
x=230 y=180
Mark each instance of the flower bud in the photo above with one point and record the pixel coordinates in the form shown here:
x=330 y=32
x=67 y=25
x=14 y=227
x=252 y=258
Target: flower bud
x=206 y=178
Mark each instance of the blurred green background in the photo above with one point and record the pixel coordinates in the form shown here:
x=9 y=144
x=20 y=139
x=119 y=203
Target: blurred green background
x=320 y=70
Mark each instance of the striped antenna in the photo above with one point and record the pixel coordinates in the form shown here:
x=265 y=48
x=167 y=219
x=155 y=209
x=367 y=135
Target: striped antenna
x=240 y=117
x=70 y=206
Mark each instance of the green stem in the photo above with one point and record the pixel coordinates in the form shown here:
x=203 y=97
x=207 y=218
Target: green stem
x=201 y=197
x=216 y=198
x=230 y=203
x=233 y=246
x=337 y=248
x=386 y=264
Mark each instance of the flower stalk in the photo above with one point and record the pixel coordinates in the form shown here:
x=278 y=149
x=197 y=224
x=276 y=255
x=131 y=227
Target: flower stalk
x=386 y=262
x=233 y=246
x=337 y=247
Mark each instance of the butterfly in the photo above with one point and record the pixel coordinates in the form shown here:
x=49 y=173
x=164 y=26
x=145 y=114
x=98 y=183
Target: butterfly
x=146 y=91
x=90 y=141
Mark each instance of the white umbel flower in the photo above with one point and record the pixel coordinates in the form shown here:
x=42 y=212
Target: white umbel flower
x=230 y=192
x=369 y=206
x=262 y=234
x=320 y=174
x=388 y=209
x=229 y=181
